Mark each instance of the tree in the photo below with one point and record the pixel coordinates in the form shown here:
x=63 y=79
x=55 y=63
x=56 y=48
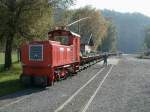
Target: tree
x=147 y=37
x=109 y=42
x=95 y=25
x=25 y=19
x=22 y=18
x=63 y=4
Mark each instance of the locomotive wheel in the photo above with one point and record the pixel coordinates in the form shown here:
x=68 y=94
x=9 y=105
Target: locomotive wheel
x=40 y=81
x=63 y=78
x=57 y=77
x=26 y=80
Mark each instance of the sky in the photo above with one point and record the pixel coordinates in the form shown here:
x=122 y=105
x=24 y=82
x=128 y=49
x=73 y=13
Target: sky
x=142 y=6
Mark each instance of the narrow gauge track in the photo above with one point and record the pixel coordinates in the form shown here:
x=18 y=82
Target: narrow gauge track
x=82 y=98
x=31 y=91
x=77 y=103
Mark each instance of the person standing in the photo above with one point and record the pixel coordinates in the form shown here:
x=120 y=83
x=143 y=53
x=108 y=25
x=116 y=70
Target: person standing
x=105 y=56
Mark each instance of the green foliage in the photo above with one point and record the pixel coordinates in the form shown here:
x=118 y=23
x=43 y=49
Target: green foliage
x=28 y=18
x=95 y=25
x=20 y=16
x=109 y=42
x=2 y=60
x=2 y=56
x=62 y=17
x=103 y=31
x=22 y=20
x=63 y=4
x=9 y=80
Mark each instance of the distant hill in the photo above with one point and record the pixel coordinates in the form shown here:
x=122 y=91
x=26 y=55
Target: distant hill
x=130 y=28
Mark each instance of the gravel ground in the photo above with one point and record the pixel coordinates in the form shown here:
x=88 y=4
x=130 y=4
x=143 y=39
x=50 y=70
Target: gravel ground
x=49 y=99
x=81 y=99
x=126 y=89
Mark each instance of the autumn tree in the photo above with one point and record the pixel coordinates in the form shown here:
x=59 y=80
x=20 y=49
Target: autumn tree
x=95 y=25
x=109 y=42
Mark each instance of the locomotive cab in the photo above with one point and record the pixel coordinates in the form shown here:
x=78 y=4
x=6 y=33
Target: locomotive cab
x=67 y=39
x=63 y=36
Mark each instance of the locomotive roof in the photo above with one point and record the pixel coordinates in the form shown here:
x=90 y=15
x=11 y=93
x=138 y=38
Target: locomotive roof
x=70 y=32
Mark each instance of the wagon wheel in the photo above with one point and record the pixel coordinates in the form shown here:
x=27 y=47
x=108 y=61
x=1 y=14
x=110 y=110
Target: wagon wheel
x=64 y=77
x=57 y=77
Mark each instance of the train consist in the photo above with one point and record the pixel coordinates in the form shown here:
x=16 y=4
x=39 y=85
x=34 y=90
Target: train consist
x=45 y=62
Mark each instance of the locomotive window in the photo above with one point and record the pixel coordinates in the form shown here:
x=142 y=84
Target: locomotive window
x=62 y=39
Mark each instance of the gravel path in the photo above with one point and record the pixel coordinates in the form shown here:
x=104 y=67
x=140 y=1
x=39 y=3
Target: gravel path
x=126 y=89
x=49 y=99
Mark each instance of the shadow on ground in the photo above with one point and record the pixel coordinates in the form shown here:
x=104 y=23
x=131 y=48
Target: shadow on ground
x=8 y=89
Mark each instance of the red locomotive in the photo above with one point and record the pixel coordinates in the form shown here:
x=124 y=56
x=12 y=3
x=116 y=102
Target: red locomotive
x=43 y=62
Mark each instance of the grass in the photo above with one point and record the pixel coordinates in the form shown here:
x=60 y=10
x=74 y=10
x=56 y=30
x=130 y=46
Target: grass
x=9 y=80
x=2 y=58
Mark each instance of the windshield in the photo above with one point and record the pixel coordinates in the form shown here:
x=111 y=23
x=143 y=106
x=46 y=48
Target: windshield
x=62 y=39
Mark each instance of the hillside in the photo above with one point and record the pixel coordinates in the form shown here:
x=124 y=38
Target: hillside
x=130 y=27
